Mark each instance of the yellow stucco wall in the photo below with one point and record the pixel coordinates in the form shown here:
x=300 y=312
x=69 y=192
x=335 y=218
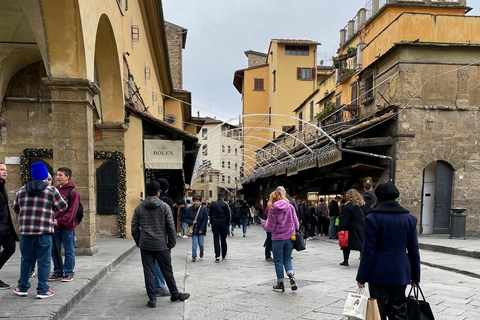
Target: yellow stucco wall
x=134 y=167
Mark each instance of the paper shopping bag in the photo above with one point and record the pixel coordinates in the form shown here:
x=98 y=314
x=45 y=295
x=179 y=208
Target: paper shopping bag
x=373 y=313
x=355 y=306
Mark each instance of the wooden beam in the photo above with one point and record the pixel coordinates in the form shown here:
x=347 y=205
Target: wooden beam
x=370 y=142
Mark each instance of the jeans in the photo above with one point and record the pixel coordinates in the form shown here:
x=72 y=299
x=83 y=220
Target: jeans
x=245 y=225
x=332 y=229
x=233 y=224
x=7 y=242
x=159 y=279
x=197 y=239
x=35 y=248
x=67 y=237
x=164 y=261
x=184 y=227
x=220 y=239
x=282 y=257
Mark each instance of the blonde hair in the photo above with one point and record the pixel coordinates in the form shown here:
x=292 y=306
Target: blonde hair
x=354 y=197
x=276 y=196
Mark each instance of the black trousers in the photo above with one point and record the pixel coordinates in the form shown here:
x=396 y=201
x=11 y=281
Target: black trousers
x=7 y=242
x=268 y=246
x=220 y=239
x=165 y=263
x=387 y=296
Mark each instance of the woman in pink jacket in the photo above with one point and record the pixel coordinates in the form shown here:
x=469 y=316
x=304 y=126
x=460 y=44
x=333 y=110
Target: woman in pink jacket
x=282 y=222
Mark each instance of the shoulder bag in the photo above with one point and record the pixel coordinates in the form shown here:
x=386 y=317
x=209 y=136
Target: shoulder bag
x=189 y=230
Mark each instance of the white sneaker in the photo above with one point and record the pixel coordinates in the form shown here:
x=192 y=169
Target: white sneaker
x=184 y=236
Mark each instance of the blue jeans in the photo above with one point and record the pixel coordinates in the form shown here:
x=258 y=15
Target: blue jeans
x=282 y=257
x=67 y=237
x=332 y=228
x=35 y=248
x=233 y=224
x=159 y=279
x=245 y=225
x=197 y=239
x=184 y=227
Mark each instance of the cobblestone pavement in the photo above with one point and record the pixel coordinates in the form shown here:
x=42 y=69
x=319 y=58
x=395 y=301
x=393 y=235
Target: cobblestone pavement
x=241 y=286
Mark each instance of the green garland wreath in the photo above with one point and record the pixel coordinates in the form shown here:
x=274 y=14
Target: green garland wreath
x=121 y=175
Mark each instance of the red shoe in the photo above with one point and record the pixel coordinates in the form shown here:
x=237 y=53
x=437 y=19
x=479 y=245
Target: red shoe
x=47 y=294
x=54 y=277
x=20 y=293
x=67 y=278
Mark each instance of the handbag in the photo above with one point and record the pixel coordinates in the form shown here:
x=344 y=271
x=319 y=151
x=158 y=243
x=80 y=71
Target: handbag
x=373 y=313
x=343 y=239
x=189 y=230
x=299 y=243
x=356 y=305
x=337 y=222
x=418 y=309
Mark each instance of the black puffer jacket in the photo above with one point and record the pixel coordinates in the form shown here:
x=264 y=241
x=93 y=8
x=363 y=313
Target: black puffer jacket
x=152 y=224
x=220 y=213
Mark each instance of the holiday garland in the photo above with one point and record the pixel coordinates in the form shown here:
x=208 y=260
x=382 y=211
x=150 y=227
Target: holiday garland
x=121 y=177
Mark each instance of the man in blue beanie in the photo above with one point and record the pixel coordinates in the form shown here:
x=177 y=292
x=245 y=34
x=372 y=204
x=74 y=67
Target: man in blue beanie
x=35 y=204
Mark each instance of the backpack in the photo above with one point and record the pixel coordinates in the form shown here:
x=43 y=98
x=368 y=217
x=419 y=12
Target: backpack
x=79 y=214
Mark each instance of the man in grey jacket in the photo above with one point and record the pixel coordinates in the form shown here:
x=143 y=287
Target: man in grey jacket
x=154 y=233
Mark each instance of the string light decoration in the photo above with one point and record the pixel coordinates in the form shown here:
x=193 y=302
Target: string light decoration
x=121 y=178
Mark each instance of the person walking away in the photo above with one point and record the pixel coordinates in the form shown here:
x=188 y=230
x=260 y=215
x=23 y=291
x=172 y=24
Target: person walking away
x=351 y=220
x=307 y=221
x=154 y=233
x=160 y=287
x=8 y=236
x=282 y=222
x=334 y=213
x=244 y=214
x=220 y=216
x=390 y=257
x=65 y=225
x=268 y=240
x=37 y=205
x=197 y=216
x=183 y=219
x=369 y=198
x=322 y=214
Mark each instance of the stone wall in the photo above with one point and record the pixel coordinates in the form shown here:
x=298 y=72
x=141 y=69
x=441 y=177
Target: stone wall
x=175 y=44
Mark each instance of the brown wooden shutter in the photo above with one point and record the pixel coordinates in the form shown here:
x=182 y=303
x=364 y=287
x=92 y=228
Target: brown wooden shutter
x=313 y=75
x=299 y=73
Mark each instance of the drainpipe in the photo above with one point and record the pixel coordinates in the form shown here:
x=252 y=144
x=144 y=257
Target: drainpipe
x=368 y=154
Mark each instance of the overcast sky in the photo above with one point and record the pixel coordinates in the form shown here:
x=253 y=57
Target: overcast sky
x=220 y=31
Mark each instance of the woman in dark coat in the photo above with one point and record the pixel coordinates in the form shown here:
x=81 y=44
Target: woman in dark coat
x=351 y=220
x=390 y=256
x=244 y=214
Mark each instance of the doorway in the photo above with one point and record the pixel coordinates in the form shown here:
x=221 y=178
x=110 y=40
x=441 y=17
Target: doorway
x=436 y=198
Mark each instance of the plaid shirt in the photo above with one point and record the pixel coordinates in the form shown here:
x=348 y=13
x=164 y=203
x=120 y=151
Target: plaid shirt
x=36 y=212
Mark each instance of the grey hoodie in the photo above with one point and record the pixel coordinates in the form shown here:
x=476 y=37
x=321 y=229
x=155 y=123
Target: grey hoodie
x=153 y=228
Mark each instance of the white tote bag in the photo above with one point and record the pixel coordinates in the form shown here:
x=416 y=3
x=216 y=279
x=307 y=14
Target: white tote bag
x=356 y=305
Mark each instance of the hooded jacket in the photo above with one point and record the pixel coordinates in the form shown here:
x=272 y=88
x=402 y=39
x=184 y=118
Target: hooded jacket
x=282 y=220
x=369 y=197
x=153 y=228
x=68 y=220
x=36 y=204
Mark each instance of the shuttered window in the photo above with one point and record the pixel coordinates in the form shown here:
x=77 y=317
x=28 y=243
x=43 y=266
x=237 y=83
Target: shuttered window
x=306 y=74
x=258 y=85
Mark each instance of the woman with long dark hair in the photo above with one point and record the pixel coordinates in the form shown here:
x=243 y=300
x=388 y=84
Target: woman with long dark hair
x=351 y=220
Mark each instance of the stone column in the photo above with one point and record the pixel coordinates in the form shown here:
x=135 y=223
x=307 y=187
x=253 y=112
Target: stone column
x=73 y=146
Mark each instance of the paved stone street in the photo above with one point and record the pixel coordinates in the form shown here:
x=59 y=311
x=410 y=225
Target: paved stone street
x=241 y=286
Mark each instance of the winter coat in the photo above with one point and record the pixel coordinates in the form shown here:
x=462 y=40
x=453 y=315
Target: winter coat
x=244 y=211
x=220 y=214
x=202 y=219
x=351 y=220
x=369 y=197
x=153 y=228
x=390 y=254
x=333 y=209
x=282 y=221
x=68 y=220
x=4 y=206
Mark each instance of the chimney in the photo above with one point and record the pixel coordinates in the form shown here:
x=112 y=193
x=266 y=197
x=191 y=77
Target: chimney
x=351 y=27
x=375 y=6
x=342 y=37
x=198 y=114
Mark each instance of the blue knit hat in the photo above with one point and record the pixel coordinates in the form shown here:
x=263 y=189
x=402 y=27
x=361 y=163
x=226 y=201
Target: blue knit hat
x=39 y=171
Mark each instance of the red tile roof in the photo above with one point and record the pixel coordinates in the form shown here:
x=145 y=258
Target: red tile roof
x=296 y=41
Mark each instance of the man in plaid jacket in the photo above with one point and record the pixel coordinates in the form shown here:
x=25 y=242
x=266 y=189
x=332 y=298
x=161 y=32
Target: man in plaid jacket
x=35 y=204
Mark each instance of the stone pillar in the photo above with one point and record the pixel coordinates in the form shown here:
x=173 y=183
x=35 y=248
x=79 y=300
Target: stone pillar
x=73 y=146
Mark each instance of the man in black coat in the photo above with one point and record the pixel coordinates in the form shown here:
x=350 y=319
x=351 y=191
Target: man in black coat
x=8 y=236
x=220 y=217
x=154 y=233
x=334 y=212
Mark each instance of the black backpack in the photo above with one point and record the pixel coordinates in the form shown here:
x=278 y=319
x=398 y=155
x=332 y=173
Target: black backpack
x=79 y=214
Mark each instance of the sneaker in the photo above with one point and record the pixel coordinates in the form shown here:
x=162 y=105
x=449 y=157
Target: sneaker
x=279 y=287
x=32 y=274
x=217 y=260
x=233 y=234
x=309 y=238
x=184 y=236
x=180 y=297
x=224 y=258
x=194 y=259
x=293 y=283
x=163 y=293
x=344 y=263
x=4 y=286
x=20 y=293
x=47 y=294
x=152 y=303
x=54 y=277
x=201 y=254
x=269 y=259
x=67 y=278
x=244 y=235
